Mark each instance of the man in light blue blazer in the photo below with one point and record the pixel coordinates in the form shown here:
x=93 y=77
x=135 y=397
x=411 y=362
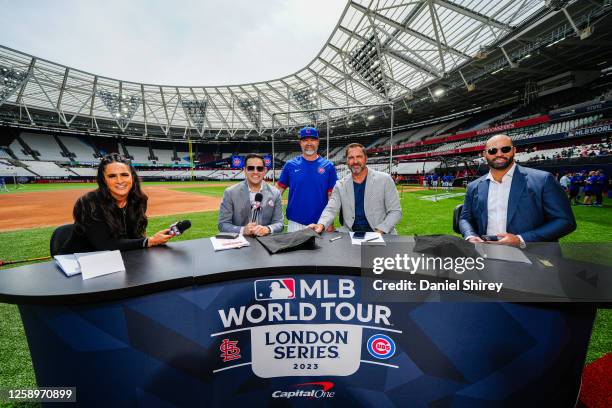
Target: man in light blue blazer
x=236 y=211
x=368 y=198
x=517 y=204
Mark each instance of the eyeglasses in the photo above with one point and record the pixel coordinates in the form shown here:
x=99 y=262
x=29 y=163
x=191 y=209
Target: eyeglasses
x=253 y=168
x=493 y=150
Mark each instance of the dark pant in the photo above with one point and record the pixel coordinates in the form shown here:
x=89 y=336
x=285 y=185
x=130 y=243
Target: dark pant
x=598 y=197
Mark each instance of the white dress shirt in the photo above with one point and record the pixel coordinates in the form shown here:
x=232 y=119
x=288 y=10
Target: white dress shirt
x=497 y=202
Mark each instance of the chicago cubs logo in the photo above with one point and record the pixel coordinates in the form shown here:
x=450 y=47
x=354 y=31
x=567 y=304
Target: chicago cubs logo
x=321 y=170
x=237 y=161
x=381 y=346
x=268 y=289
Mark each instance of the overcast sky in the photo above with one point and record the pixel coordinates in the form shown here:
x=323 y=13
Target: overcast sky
x=177 y=42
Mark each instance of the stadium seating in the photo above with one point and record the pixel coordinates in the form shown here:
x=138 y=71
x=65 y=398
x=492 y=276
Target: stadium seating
x=18 y=150
x=164 y=156
x=417 y=167
x=140 y=154
x=490 y=121
x=47 y=169
x=557 y=152
x=82 y=149
x=170 y=174
x=183 y=157
x=84 y=171
x=8 y=170
x=45 y=145
x=558 y=127
x=50 y=151
x=4 y=154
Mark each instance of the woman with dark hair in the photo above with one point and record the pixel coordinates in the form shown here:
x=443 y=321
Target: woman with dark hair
x=114 y=215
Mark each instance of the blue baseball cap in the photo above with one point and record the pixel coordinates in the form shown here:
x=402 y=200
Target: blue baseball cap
x=308 y=132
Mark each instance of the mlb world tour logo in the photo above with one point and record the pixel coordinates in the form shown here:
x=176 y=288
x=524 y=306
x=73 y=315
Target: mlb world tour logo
x=307 y=328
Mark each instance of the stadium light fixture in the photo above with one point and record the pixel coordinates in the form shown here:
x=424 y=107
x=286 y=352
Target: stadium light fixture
x=371 y=117
x=438 y=92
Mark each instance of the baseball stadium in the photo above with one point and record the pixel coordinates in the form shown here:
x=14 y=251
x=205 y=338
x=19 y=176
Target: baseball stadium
x=421 y=84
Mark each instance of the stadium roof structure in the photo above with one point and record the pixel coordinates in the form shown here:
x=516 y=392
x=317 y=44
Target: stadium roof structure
x=379 y=52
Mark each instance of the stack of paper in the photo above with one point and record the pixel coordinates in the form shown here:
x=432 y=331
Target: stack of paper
x=91 y=264
x=223 y=244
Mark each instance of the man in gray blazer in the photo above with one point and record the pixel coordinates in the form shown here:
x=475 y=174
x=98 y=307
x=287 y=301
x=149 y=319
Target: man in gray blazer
x=236 y=211
x=368 y=198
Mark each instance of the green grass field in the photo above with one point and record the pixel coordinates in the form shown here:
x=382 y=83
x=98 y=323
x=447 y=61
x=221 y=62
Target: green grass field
x=420 y=217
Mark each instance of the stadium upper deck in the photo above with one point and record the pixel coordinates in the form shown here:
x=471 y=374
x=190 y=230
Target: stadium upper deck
x=419 y=56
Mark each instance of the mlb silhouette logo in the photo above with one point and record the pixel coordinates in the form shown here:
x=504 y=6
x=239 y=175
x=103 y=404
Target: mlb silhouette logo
x=267 y=162
x=321 y=170
x=274 y=289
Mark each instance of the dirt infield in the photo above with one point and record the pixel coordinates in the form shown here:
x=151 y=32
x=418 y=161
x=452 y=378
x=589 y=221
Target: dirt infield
x=51 y=208
x=409 y=188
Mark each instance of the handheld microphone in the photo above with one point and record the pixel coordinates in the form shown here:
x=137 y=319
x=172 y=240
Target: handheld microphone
x=255 y=208
x=179 y=227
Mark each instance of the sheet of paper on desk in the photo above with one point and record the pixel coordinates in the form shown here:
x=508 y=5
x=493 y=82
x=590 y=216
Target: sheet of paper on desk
x=68 y=264
x=223 y=244
x=375 y=237
x=502 y=253
x=94 y=264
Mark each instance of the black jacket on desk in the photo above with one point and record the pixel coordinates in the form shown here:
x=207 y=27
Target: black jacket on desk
x=97 y=236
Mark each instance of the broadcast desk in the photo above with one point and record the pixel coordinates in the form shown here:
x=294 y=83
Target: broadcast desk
x=187 y=326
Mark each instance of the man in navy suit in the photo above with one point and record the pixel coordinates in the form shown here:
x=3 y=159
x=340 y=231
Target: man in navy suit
x=517 y=204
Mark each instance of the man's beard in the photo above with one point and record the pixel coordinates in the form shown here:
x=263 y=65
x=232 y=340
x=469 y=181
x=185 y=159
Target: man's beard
x=309 y=152
x=500 y=166
x=356 y=170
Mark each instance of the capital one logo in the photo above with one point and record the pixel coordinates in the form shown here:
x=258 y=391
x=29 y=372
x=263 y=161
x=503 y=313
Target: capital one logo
x=311 y=390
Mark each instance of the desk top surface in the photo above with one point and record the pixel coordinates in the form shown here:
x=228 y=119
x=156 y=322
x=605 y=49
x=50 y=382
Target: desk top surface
x=194 y=262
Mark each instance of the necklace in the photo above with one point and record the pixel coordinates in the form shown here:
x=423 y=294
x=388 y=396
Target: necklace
x=124 y=213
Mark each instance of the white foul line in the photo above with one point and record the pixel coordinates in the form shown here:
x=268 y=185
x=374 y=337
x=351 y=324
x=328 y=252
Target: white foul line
x=230 y=367
x=376 y=362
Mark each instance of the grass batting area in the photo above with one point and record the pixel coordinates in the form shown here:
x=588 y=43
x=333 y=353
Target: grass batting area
x=422 y=216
